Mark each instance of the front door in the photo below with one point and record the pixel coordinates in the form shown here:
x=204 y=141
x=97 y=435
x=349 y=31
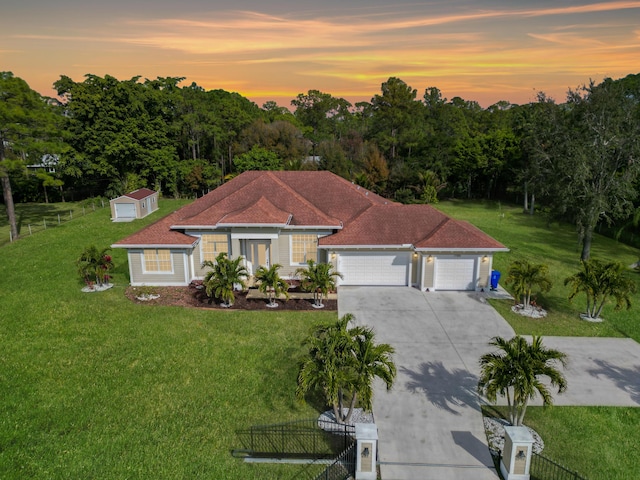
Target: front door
x=257 y=254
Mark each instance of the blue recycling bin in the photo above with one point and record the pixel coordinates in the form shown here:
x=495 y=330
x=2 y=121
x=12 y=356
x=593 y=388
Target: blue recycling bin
x=495 y=278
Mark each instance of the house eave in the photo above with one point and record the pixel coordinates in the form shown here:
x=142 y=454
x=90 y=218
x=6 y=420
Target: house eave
x=455 y=249
x=368 y=247
x=156 y=245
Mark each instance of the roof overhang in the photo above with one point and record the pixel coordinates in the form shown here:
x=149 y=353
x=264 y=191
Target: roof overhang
x=367 y=247
x=156 y=245
x=250 y=225
x=467 y=250
x=314 y=227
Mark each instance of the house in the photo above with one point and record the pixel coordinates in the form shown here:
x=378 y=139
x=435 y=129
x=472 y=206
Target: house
x=137 y=204
x=294 y=216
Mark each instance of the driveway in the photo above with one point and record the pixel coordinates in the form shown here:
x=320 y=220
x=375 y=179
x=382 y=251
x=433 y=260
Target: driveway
x=429 y=424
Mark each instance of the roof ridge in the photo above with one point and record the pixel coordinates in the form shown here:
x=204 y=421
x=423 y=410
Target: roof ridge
x=303 y=199
x=435 y=230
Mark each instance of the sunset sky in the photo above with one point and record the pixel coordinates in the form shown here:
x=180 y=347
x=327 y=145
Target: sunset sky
x=484 y=50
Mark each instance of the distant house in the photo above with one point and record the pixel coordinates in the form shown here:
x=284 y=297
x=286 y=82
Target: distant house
x=137 y=204
x=48 y=163
x=295 y=216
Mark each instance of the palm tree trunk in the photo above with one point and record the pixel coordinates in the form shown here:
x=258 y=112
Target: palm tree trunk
x=520 y=419
x=352 y=405
x=337 y=413
x=598 y=311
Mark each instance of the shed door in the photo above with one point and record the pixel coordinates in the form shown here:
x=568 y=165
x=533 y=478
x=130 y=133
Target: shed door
x=374 y=268
x=125 y=210
x=455 y=273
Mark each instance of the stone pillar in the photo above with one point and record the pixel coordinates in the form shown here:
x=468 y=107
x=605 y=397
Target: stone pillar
x=366 y=451
x=516 y=455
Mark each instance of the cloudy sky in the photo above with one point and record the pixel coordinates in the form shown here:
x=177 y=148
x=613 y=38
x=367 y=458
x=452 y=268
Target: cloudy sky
x=483 y=50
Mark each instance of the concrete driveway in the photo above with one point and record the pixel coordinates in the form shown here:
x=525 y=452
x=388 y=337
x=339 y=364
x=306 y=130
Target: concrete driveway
x=430 y=425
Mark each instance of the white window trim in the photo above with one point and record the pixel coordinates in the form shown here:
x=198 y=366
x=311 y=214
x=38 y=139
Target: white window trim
x=157 y=272
x=291 y=262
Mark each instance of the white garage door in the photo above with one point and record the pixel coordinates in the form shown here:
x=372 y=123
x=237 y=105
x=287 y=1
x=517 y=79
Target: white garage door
x=374 y=268
x=455 y=273
x=125 y=210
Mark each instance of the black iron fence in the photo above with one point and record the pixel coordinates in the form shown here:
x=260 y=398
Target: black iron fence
x=343 y=468
x=305 y=439
x=543 y=468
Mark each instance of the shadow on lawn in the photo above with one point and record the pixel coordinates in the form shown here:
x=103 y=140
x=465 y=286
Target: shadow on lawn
x=443 y=388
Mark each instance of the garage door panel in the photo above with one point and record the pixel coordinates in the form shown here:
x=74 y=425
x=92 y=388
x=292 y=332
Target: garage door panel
x=125 y=210
x=455 y=274
x=374 y=268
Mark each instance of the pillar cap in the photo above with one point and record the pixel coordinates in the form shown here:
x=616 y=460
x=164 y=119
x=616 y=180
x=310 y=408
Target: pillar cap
x=519 y=434
x=366 y=431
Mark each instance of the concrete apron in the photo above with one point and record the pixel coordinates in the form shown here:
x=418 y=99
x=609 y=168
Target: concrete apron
x=430 y=425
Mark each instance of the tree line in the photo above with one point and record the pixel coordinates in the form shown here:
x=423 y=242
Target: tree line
x=578 y=160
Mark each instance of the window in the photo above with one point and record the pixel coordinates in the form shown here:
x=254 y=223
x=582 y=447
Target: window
x=211 y=245
x=157 y=260
x=303 y=248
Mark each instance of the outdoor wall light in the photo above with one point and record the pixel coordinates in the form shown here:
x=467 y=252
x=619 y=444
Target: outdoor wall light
x=485 y=259
x=365 y=452
x=430 y=258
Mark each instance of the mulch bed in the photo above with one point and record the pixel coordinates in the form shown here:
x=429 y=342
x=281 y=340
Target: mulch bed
x=194 y=297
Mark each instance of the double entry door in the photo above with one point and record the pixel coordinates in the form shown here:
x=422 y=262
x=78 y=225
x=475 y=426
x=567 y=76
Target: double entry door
x=257 y=254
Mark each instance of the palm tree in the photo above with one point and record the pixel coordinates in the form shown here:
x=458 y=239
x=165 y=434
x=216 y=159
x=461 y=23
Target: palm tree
x=326 y=367
x=223 y=278
x=342 y=362
x=319 y=279
x=600 y=282
x=514 y=371
x=371 y=361
x=271 y=283
x=524 y=276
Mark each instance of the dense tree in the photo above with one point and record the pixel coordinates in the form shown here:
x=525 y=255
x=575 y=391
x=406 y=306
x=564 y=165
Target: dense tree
x=593 y=165
x=396 y=118
x=281 y=137
x=29 y=129
x=258 y=158
x=321 y=113
x=121 y=127
x=515 y=370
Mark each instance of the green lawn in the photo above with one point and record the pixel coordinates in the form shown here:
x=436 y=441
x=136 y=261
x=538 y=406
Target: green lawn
x=556 y=245
x=600 y=443
x=94 y=386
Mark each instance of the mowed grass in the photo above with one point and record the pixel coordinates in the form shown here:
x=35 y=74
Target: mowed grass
x=94 y=386
x=600 y=443
x=555 y=245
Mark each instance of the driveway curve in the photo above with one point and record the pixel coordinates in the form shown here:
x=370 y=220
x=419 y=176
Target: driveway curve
x=430 y=425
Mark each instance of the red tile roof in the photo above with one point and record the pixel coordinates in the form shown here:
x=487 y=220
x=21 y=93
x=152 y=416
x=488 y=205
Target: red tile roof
x=316 y=200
